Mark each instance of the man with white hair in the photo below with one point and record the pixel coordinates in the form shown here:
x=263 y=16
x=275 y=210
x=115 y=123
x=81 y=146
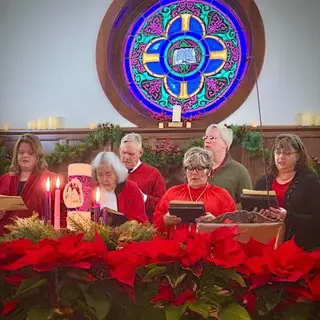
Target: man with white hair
x=148 y=178
x=226 y=172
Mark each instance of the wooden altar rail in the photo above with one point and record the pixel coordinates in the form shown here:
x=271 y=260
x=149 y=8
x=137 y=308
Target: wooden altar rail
x=178 y=136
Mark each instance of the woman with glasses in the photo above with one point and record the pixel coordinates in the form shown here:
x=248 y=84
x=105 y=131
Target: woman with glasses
x=297 y=187
x=197 y=163
x=226 y=172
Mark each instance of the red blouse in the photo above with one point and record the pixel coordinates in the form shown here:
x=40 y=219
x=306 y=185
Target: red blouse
x=280 y=190
x=216 y=200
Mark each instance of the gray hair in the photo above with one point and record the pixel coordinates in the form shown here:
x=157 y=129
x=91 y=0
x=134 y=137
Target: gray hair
x=132 y=137
x=197 y=157
x=112 y=160
x=225 y=133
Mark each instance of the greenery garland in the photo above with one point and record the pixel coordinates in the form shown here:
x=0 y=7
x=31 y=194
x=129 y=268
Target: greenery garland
x=35 y=229
x=78 y=153
x=5 y=159
x=165 y=156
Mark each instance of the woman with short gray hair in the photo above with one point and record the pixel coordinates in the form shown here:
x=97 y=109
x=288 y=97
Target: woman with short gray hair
x=117 y=193
x=197 y=164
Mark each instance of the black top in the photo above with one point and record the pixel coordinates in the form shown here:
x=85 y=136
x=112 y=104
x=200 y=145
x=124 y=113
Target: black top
x=20 y=187
x=302 y=202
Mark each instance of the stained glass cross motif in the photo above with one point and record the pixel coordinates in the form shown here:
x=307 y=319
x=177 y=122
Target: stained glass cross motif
x=183 y=58
x=185 y=52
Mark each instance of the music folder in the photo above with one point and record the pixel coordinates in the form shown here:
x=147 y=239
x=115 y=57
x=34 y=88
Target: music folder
x=11 y=203
x=188 y=211
x=251 y=199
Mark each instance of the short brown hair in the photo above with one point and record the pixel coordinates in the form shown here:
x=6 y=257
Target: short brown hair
x=36 y=147
x=289 y=141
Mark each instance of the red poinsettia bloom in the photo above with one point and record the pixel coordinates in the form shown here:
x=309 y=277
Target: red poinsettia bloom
x=289 y=262
x=196 y=246
x=69 y=251
x=314 y=286
x=8 y=307
x=15 y=279
x=13 y=250
x=227 y=254
x=166 y=294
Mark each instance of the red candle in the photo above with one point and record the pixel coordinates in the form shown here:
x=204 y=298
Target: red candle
x=96 y=213
x=47 y=213
x=57 y=207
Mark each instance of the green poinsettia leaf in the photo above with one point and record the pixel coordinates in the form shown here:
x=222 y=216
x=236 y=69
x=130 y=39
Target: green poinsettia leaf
x=98 y=301
x=268 y=299
x=153 y=313
x=40 y=314
x=175 y=313
x=179 y=279
x=28 y=286
x=201 y=308
x=297 y=311
x=234 y=312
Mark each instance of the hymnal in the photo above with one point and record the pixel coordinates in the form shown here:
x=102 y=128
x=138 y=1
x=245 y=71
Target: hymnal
x=11 y=203
x=186 y=210
x=251 y=199
x=115 y=218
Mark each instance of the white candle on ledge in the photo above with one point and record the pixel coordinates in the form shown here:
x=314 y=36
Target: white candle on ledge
x=176 y=113
x=6 y=127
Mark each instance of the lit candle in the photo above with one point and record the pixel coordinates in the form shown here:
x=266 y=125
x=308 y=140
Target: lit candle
x=176 y=113
x=6 y=127
x=47 y=212
x=96 y=213
x=105 y=215
x=57 y=205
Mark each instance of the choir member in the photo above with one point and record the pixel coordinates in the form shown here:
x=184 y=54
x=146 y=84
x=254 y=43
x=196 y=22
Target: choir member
x=197 y=163
x=148 y=178
x=226 y=172
x=117 y=192
x=297 y=187
x=27 y=178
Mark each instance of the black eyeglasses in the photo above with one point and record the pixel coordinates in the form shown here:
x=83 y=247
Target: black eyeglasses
x=197 y=169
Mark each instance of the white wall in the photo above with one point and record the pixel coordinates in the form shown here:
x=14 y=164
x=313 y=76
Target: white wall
x=47 y=62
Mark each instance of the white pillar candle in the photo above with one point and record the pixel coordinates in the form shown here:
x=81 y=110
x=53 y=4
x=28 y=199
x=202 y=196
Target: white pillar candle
x=176 y=113
x=6 y=127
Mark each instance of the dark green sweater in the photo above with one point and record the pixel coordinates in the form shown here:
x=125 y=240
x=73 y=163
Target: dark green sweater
x=233 y=177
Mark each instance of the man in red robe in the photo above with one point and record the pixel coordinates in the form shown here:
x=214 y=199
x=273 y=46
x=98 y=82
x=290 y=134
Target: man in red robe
x=148 y=178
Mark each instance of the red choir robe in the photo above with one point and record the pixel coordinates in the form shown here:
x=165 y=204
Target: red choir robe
x=130 y=201
x=216 y=201
x=33 y=195
x=151 y=183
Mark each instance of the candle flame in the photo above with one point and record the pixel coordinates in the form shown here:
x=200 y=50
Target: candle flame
x=58 y=182
x=48 y=184
x=98 y=195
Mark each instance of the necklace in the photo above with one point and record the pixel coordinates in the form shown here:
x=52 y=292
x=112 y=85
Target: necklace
x=201 y=194
x=286 y=179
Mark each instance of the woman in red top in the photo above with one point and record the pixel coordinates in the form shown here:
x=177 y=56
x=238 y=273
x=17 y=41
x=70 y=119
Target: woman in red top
x=197 y=164
x=27 y=178
x=297 y=187
x=117 y=192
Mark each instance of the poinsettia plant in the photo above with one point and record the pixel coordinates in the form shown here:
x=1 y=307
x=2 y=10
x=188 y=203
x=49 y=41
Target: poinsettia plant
x=187 y=276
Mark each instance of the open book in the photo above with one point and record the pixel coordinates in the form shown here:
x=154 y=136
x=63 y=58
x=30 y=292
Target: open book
x=188 y=211
x=251 y=199
x=115 y=218
x=11 y=203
